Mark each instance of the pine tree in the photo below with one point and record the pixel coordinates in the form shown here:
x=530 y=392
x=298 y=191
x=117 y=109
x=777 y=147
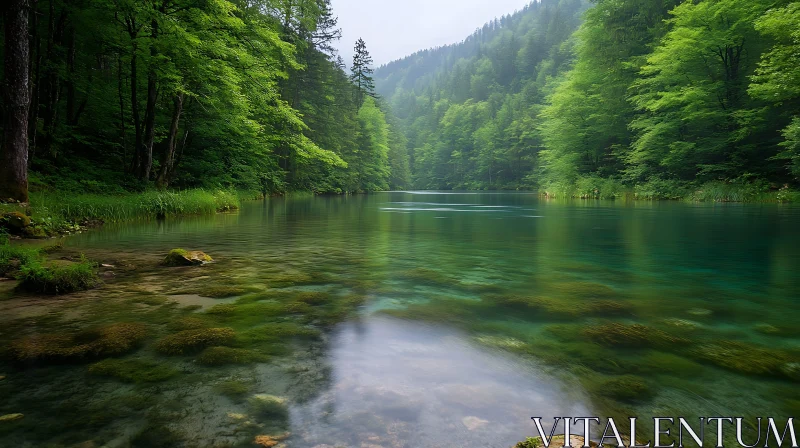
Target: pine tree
x=362 y=73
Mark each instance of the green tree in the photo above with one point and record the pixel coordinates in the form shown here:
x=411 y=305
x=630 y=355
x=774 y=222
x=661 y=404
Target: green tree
x=361 y=73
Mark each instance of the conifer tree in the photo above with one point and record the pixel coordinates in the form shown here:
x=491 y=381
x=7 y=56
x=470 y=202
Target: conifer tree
x=362 y=73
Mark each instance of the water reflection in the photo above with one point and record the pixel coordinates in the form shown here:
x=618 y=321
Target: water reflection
x=405 y=384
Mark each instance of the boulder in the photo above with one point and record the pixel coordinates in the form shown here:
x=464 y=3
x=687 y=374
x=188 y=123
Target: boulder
x=15 y=222
x=181 y=257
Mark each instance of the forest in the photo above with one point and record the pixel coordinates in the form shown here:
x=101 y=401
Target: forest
x=655 y=98
x=126 y=95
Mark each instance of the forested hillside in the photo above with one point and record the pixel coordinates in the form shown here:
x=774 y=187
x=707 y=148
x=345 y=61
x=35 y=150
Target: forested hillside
x=655 y=97
x=127 y=94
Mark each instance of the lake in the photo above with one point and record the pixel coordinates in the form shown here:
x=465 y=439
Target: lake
x=409 y=319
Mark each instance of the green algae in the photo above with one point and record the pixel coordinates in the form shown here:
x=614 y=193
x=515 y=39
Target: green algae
x=626 y=388
x=110 y=340
x=268 y=406
x=748 y=359
x=133 y=370
x=188 y=341
x=233 y=389
x=634 y=335
x=218 y=356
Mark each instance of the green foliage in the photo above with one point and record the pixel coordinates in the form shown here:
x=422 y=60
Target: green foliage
x=216 y=95
x=647 y=99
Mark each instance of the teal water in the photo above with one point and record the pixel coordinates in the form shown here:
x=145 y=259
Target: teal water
x=419 y=319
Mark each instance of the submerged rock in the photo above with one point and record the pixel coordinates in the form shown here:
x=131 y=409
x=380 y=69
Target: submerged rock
x=472 y=423
x=110 y=340
x=181 y=257
x=270 y=441
x=11 y=417
x=699 y=312
x=268 y=406
x=188 y=341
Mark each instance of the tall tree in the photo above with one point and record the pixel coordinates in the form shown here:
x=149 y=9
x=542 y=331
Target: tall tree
x=14 y=169
x=361 y=72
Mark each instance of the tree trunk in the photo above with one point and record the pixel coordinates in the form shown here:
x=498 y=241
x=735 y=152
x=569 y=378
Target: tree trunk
x=150 y=110
x=14 y=168
x=137 y=121
x=168 y=160
x=36 y=55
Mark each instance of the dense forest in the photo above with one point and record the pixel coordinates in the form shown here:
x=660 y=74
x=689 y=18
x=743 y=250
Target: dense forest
x=120 y=95
x=656 y=97
x=659 y=97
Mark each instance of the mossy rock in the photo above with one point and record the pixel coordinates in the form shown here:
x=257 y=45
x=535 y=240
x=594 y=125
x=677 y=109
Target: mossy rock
x=268 y=406
x=634 y=336
x=556 y=442
x=133 y=370
x=57 y=277
x=15 y=222
x=181 y=257
x=312 y=297
x=187 y=323
x=233 y=389
x=748 y=359
x=111 y=340
x=189 y=341
x=218 y=356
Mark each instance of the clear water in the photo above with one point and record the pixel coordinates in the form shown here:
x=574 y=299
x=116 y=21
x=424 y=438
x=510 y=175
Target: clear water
x=446 y=319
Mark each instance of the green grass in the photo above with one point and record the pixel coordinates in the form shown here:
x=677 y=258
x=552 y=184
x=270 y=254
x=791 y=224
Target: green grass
x=151 y=204
x=57 y=213
x=36 y=276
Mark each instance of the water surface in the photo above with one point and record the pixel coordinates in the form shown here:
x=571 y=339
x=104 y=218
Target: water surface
x=440 y=320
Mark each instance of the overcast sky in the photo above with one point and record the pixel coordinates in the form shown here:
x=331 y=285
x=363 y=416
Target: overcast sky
x=396 y=28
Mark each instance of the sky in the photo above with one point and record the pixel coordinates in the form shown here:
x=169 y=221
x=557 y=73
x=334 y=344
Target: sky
x=393 y=29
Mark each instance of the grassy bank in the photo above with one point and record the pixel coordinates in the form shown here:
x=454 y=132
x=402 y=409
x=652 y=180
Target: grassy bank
x=56 y=213
x=658 y=189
